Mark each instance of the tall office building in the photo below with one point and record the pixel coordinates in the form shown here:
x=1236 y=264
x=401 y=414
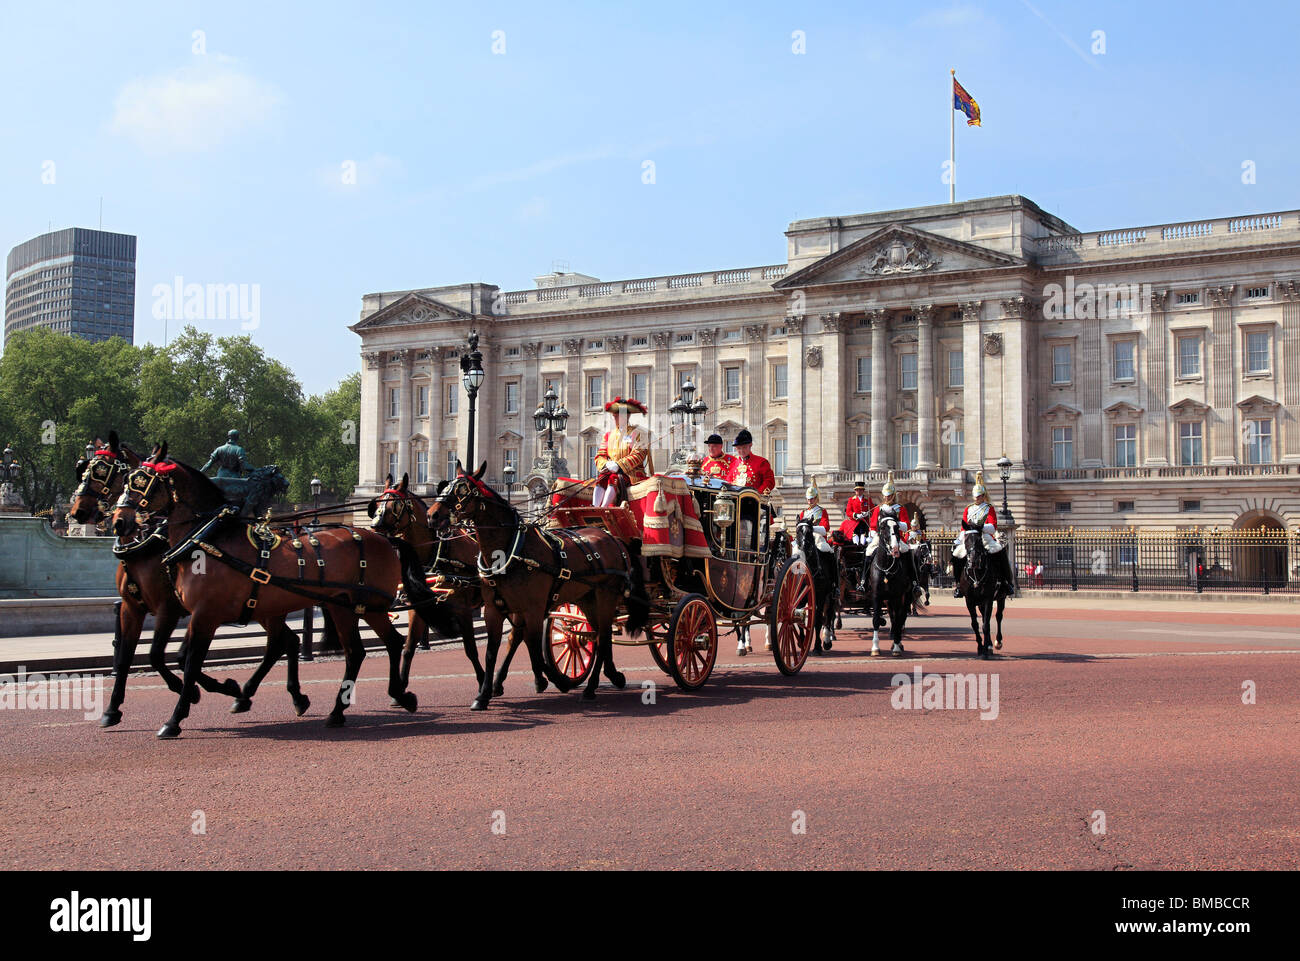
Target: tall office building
x=77 y=281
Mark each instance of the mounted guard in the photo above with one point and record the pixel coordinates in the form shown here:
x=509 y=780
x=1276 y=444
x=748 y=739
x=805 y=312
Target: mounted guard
x=890 y=508
x=981 y=519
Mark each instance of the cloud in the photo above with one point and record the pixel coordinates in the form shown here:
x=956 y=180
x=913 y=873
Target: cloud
x=195 y=108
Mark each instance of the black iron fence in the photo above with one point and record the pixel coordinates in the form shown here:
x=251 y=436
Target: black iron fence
x=1254 y=561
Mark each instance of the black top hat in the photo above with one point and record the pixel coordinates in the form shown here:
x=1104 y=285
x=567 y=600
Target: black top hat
x=714 y=439
x=744 y=437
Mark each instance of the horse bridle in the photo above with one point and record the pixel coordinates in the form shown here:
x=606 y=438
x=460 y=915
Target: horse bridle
x=894 y=560
x=142 y=482
x=99 y=475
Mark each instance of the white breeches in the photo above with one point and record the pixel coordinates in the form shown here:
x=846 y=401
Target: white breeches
x=603 y=495
x=874 y=541
x=991 y=543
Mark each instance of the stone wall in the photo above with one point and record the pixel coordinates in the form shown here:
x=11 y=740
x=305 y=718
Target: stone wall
x=35 y=562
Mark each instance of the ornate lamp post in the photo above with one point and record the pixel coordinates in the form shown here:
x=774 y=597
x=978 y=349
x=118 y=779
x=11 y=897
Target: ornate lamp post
x=471 y=366
x=686 y=411
x=10 y=471
x=1007 y=521
x=550 y=416
x=509 y=473
x=315 y=496
x=1004 y=468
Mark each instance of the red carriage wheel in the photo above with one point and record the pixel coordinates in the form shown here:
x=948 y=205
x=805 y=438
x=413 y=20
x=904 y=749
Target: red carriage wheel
x=692 y=643
x=790 y=616
x=570 y=648
x=657 y=651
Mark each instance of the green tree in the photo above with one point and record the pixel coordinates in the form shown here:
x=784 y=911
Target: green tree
x=329 y=449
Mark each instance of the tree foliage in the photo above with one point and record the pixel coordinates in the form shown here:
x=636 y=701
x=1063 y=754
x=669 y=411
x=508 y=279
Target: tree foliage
x=58 y=393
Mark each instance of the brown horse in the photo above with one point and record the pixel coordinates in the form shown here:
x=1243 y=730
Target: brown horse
x=146 y=588
x=452 y=556
x=532 y=570
x=223 y=576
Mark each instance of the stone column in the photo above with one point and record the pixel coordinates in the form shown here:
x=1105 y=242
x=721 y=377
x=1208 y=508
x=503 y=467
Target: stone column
x=370 y=431
x=706 y=383
x=1155 y=437
x=1223 y=427
x=576 y=401
x=927 y=457
x=972 y=403
x=797 y=404
x=1090 y=371
x=879 y=390
x=833 y=391
x=532 y=400
x=661 y=389
x=616 y=344
x=404 y=410
x=436 y=456
x=1289 y=364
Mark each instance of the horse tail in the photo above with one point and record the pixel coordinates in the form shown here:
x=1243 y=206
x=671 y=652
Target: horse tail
x=638 y=604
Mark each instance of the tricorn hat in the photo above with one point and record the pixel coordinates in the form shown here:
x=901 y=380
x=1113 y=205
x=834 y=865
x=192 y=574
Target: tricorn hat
x=714 y=439
x=744 y=437
x=627 y=404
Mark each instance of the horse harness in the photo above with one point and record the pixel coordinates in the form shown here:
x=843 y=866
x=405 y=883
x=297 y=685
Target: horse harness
x=556 y=541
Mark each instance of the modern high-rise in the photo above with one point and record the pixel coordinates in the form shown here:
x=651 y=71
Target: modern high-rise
x=77 y=281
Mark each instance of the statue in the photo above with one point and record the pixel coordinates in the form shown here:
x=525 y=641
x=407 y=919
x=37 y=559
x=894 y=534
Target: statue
x=230 y=458
x=254 y=493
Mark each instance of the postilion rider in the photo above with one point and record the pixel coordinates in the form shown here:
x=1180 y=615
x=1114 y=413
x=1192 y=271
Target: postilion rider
x=857 y=515
x=623 y=458
x=980 y=518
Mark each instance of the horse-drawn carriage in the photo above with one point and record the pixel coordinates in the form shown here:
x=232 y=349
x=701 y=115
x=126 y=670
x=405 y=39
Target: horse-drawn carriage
x=710 y=553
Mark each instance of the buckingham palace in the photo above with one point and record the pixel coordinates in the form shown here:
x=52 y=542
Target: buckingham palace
x=1133 y=376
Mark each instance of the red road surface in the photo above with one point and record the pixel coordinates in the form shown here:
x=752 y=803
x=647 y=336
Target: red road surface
x=1134 y=714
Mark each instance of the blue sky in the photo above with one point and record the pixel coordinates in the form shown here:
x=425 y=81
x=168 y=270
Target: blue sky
x=473 y=165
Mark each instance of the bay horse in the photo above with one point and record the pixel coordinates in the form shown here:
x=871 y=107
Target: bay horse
x=890 y=582
x=979 y=581
x=145 y=586
x=532 y=570
x=229 y=570
x=825 y=571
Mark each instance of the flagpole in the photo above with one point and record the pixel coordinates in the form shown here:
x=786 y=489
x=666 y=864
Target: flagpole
x=952 y=143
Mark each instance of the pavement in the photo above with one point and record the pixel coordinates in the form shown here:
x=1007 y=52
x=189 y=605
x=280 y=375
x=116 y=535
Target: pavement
x=1121 y=737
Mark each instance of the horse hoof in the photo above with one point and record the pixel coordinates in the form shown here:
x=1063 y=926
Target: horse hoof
x=168 y=731
x=997 y=645
x=478 y=704
x=816 y=650
x=110 y=718
x=300 y=704
x=897 y=651
x=563 y=688
x=588 y=695
x=408 y=700
x=335 y=720
x=231 y=688
x=424 y=646
x=241 y=705
x=499 y=690
x=826 y=645
x=194 y=697
x=618 y=680
x=875 y=652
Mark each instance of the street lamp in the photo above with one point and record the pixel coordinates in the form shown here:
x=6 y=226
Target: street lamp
x=471 y=366
x=10 y=466
x=315 y=494
x=550 y=416
x=509 y=473
x=90 y=451
x=1004 y=468
x=687 y=411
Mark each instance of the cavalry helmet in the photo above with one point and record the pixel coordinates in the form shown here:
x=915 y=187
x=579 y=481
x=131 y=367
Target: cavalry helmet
x=812 y=493
x=978 y=489
x=888 y=489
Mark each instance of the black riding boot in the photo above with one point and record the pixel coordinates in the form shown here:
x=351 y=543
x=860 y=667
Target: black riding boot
x=917 y=593
x=1004 y=574
x=958 y=563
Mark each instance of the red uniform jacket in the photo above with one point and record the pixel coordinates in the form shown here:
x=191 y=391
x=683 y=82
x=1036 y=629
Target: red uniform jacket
x=755 y=473
x=717 y=466
x=966 y=522
x=902 y=516
x=856 y=506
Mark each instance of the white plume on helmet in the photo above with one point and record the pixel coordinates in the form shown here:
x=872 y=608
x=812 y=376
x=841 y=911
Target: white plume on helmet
x=978 y=489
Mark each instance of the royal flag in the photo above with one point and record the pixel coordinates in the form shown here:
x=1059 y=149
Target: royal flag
x=964 y=102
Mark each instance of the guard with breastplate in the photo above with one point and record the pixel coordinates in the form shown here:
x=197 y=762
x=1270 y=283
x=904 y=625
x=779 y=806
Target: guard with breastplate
x=981 y=520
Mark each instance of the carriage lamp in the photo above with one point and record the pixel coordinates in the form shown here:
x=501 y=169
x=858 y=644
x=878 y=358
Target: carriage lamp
x=688 y=393
x=724 y=511
x=471 y=366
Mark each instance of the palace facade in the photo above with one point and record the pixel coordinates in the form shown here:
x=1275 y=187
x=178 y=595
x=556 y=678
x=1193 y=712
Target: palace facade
x=1140 y=376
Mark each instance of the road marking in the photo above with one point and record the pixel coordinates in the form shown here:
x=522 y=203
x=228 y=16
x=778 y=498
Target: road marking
x=1261 y=635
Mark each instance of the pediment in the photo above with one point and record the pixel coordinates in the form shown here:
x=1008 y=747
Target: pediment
x=776 y=423
x=1059 y=412
x=1122 y=408
x=858 y=418
x=1187 y=406
x=894 y=252
x=1256 y=402
x=510 y=435
x=952 y=413
x=412 y=310
x=905 y=416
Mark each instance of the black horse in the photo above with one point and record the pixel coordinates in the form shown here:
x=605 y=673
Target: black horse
x=825 y=570
x=980 y=585
x=924 y=572
x=891 y=584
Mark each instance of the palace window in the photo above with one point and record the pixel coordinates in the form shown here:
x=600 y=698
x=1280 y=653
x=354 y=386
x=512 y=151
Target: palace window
x=422 y=399
x=552 y=383
x=595 y=345
x=512 y=351
x=1190 y=451
x=1259 y=441
x=1189 y=356
x=512 y=396
x=1121 y=354
x=1062 y=447
x=731 y=376
x=591 y=459
x=1123 y=507
x=955 y=449
x=956 y=369
x=1190 y=507
x=780 y=452
x=907 y=371
x=595 y=391
x=907 y=450
x=1257 y=344
x=392 y=465
x=863 y=451
x=1064 y=507
x=864 y=375
x=449 y=465
x=452 y=391
x=551 y=349
x=683 y=375
x=422 y=467
x=686 y=337
x=394 y=401
x=510 y=458
x=1127 y=554
x=641 y=387
x=1062 y=364
x=640 y=341
x=780 y=381
x=729 y=335
x=1254 y=293
x=1189 y=298
x=1126 y=445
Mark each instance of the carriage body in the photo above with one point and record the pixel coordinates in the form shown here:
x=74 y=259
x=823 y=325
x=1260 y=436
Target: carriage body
x=710 y=553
